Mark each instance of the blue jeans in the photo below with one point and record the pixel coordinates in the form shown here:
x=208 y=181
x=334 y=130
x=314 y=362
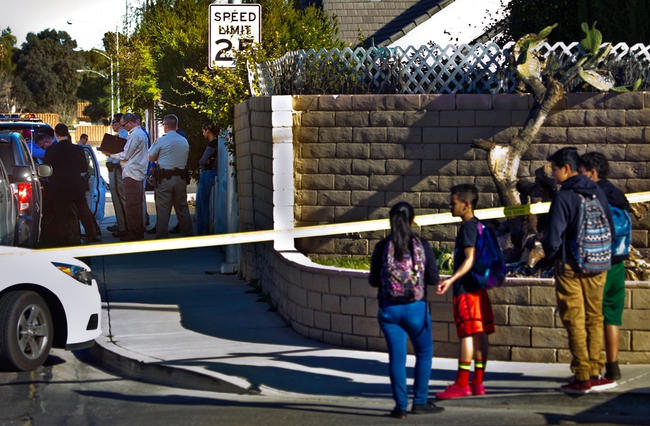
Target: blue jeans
x=396 y=322
x=206 y=182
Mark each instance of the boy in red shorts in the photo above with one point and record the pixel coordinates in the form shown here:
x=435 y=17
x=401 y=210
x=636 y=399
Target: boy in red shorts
x=472 y=309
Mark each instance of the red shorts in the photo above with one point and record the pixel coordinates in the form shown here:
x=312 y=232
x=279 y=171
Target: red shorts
x=473 y=314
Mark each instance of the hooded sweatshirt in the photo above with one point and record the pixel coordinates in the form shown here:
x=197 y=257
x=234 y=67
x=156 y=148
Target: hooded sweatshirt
x=562 y=222
x=617 y=199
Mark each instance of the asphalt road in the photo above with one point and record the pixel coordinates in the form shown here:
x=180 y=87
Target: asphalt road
x=69 y=391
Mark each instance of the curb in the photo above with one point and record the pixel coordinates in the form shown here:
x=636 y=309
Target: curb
x=610 y=406
x=159 y=374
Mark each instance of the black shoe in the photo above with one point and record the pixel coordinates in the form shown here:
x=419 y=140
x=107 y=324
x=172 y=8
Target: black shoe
x=175 y=230
x=131 y=238
x=93 y=240
x=427 y=408
x=113 y=228
x=398 y=414
x=119 y=234
x=152 y=231
x=612 y=371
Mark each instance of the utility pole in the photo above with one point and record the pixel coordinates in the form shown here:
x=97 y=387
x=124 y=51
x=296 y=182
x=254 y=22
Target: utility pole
x=117 y=55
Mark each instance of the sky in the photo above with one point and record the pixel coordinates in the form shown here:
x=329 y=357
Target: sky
x=90 y=18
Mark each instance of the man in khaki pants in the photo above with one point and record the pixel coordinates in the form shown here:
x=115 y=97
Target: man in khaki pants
x=579 y=294
x=170 y=152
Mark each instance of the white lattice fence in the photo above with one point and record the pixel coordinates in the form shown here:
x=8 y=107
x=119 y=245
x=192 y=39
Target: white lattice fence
x=482 y=68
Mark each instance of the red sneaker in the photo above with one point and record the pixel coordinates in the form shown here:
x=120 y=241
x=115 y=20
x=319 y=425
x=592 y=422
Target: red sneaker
x=478 y=389
x=576 y=387
x=453 y=392
x=599 y=383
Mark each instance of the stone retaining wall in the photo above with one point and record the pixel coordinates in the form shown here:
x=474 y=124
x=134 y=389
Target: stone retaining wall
x=280 y=149
x=339 y=307
x=357 y=155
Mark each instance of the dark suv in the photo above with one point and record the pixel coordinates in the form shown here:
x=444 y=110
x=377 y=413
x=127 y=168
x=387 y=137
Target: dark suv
x=14 y=123
x=24 y=178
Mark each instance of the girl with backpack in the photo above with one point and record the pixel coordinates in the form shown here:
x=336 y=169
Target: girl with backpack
x=402 y=265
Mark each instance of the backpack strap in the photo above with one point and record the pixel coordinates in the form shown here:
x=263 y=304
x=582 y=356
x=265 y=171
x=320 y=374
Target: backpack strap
x=562 y=268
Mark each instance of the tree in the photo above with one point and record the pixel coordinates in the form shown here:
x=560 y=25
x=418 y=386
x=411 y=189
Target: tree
x=153 y=62
x=164 y=61
x=548 y=85
x=46 y=79
x=284 y=29
x=95 y=88
x=619 y=21
x=7 y=67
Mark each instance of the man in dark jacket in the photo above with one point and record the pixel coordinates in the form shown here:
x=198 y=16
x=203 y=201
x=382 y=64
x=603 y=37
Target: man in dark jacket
x=579 y=295
x=595 y=166
x=65 y=186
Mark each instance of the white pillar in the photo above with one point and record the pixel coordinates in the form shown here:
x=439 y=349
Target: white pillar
x=283 y=179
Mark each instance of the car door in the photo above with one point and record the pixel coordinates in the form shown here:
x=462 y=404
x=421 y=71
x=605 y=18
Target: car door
x=96 y=193
x=34 y=214
x=7 y=209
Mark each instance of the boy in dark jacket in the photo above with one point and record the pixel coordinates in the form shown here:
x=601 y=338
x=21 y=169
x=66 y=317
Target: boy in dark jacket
x=579 y=295
x=595 y=166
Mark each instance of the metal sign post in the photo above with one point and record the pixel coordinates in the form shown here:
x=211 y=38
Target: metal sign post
x=232 y=28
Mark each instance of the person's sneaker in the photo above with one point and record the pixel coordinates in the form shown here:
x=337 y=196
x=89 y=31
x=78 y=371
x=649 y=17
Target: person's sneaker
x=478 y=389
x=428 y=408
x=612 y=371
x=113 y=228
x=577 y=387
x=600 y=383
x=454 y=392
x=398 y=414
x=175 y=230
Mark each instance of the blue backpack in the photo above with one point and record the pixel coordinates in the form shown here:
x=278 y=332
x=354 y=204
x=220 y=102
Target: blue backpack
x=592 y=246
x=622 y=231
x=489 y=269
x=403 y=281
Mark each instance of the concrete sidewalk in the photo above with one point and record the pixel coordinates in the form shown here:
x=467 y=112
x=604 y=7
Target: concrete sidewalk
x=169 y=319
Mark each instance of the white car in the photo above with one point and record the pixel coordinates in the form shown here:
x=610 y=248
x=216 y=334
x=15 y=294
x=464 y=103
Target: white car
x=47 y=299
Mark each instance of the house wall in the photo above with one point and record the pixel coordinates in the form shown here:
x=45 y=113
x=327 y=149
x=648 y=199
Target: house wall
x=353 y=156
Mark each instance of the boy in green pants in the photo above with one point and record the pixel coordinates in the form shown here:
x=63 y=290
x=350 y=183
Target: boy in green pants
x=596 y=167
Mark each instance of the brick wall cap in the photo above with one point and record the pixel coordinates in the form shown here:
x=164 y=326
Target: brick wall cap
x=306 y=264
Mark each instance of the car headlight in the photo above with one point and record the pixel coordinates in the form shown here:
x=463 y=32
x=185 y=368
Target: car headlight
x=77 y=272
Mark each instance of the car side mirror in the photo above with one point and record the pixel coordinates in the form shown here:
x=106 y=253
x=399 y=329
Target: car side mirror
x=44 y=170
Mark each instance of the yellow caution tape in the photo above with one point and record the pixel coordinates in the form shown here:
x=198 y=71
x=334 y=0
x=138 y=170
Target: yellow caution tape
x=302 y=232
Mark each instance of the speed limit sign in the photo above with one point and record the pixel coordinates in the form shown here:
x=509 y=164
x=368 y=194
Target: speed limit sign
x=232 y=28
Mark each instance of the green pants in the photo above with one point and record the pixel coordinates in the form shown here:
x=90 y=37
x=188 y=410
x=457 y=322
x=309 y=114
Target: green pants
x=614 y=295
x=580 y=304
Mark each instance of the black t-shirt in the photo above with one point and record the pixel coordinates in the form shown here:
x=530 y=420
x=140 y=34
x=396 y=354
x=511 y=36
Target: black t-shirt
x=466 y=237
x=431 y=276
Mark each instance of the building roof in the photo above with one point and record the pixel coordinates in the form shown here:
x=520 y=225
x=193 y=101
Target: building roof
x=379 y=22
